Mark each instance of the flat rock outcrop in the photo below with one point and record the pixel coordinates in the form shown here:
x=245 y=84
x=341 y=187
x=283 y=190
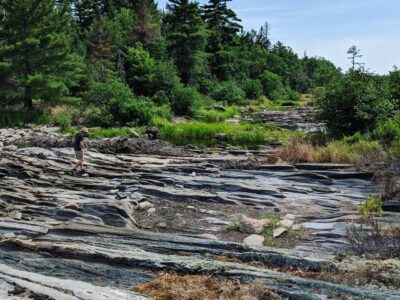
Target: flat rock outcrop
x=69 y=236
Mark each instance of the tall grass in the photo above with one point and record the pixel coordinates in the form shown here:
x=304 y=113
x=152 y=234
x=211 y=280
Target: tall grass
x=214 y=116
x=212 y=133
x=98 y=133
x=12 y=119
x=297 y=150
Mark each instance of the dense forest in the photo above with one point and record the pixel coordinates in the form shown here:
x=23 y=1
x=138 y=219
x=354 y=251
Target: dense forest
x=121 y=62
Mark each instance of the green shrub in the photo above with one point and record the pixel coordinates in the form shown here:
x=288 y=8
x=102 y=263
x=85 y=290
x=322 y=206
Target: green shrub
x=373 y=204
x=160 y=98
x=163 y=112
x=229 y=92
x=272 y=85
x=117 y=105
x=253 y=89
x=388 y=132
x=356 y=102
x=185 y=101
x=207 y=86
x=140 y=69
x=64 y=121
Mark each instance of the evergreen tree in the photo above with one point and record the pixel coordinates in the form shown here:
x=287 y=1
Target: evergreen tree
x=224 y=26
x=147 y=27
x=222 y=19
x=85 y=11
x=263 y=38
x=99 y=51
x=186 y=37
x=355 y=54
x=35 y=41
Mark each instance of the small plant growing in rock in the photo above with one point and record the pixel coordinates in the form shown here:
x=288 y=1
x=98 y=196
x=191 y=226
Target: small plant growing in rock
x=274 y=224
x=371 y=238
x=234 y=225
x=371 y=206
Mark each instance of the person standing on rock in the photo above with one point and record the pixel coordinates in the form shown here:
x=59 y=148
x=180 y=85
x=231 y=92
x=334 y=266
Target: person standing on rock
x=79 y=147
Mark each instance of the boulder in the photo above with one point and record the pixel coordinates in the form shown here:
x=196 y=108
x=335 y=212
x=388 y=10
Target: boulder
x=251 y=226
x=145 y=205
x=286 y=223
x=254 y=240
x=279 y=231
x=151 y=211
x=16 y=215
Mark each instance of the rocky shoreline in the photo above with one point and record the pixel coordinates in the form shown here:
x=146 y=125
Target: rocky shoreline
x=96 y=235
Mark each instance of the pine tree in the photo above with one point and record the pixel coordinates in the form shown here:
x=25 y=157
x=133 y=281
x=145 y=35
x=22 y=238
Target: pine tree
x=99 y=51
x=35 y=44
x=355 y=54
x=222 y=19
x=224 y=26
x=186 y=36
x=85 y=11
x=147 y=28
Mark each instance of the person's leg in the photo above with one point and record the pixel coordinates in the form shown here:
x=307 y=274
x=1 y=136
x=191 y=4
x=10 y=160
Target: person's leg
x=79 y=157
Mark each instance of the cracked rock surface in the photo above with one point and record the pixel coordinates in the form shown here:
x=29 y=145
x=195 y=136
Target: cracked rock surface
x=79 y=237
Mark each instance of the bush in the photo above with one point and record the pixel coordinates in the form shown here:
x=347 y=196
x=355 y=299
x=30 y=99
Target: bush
x=207 y=86
x=253 y=89
x=117 y=105
x=163 y=112
x=357 y=102
x=388 y=133
x=271 y=83
x=185 y=101
x=229 y=92
x=140 y=70
x=64 y=121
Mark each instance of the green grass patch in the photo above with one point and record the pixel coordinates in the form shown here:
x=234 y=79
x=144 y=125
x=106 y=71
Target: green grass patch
x=98 y=133
x=18 y=119
x=215 y=116
x=210 y=134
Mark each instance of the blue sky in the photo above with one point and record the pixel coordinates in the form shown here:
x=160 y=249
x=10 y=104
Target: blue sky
x=329 y=27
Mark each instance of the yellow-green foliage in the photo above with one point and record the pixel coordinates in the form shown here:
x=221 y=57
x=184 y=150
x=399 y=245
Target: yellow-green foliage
x=373 y=204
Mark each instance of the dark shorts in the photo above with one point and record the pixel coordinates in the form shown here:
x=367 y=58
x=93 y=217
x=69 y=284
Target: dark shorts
x=79 y=155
